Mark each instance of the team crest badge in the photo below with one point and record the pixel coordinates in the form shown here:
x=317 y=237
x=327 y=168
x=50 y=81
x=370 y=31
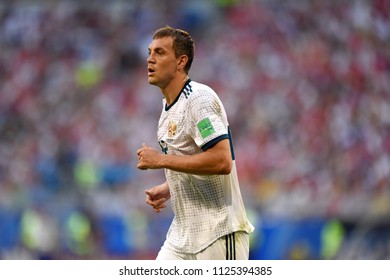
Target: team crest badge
x=172 y=127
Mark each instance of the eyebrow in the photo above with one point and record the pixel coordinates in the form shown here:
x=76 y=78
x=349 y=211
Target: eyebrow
x=156 y=49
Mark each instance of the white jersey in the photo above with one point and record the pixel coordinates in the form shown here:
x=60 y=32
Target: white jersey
x=205 y=207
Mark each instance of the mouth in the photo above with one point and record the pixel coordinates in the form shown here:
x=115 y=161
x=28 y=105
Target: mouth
x=150 y=71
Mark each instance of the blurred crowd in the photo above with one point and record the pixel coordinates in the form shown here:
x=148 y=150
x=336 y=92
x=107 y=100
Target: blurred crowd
x=306 y=85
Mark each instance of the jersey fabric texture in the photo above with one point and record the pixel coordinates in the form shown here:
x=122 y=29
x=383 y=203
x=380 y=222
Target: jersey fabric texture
x=205 y=207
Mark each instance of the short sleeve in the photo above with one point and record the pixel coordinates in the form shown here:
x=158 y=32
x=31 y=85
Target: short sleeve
x=207 y=119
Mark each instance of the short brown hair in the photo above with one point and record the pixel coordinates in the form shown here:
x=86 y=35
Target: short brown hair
x=182 y=43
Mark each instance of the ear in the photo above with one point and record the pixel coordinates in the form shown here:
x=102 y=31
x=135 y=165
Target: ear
x=182 y=61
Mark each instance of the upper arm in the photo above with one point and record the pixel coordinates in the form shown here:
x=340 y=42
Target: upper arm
x=220 y=156
x=208 y=120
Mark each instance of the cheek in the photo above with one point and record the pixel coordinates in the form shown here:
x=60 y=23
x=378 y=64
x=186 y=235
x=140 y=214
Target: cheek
x=168 y=62
x=168 y=68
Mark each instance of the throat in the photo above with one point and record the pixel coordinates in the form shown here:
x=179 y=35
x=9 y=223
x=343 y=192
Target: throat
x=173 y=91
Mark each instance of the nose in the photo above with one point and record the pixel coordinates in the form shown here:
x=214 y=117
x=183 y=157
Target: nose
x=150 y=59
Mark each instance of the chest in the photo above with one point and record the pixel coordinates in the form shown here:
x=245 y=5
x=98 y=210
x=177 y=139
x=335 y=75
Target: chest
x=175 y=130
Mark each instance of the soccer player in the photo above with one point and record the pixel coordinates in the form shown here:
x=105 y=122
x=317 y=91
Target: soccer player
x=210 y=221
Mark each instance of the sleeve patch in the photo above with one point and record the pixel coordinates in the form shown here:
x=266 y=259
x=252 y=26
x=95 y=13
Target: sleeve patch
x=205 y=128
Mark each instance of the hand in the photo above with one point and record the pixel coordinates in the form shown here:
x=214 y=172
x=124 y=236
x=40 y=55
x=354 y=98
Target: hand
x=158 y=196
x=148 y=158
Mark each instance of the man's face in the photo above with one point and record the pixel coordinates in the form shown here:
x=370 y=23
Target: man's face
x=162 y=63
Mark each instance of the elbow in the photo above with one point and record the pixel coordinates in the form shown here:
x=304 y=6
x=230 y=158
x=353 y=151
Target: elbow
x=225 y=167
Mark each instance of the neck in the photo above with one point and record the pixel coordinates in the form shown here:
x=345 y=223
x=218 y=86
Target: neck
x=173 y=89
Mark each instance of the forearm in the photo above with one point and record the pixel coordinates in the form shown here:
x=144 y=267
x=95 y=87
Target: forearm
x=193 y=164
x=215 y=160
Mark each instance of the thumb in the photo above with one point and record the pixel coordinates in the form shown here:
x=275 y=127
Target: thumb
x=149 y=193
x=144 y=145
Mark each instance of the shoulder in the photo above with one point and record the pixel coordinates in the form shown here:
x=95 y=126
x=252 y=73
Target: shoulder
x=201 y=93
x=204 y=99
x=199 y=88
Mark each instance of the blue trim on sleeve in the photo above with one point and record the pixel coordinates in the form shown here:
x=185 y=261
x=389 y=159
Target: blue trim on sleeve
x=231 y=143
x=211 y=143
